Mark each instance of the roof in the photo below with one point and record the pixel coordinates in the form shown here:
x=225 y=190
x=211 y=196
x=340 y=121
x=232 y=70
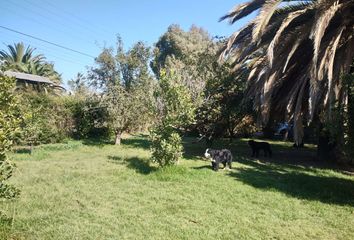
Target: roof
x=28 y=77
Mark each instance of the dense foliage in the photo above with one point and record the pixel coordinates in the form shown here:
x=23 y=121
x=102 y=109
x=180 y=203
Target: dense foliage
x=175 y=111
x=46 y=118
x=9 y=128
x=181 y=51
x=127 y=87
x=224 y=108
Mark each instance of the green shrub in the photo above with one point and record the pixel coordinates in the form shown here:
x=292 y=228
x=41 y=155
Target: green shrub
x=46 y=118
x=166 y=146
x=52 y=119
x=175 y=113
x=88 y=118
x=9 y=122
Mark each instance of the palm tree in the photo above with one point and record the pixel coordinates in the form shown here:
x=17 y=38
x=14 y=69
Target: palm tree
x=22 y=59
x=18 y=57
x=297 y=53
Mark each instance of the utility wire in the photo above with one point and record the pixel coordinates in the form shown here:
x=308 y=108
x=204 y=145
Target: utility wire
x=45 y=20
x=48 y=42
x=80 y=20
x=93 y=33
x=10 y=36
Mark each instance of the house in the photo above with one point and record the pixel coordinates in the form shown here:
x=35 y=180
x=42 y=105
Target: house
x=35 y=82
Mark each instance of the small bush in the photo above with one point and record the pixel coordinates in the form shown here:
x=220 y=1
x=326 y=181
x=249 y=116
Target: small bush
x=166 y=146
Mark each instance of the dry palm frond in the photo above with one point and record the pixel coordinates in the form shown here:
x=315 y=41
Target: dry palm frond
x=242 y=10
x=320 y=27
x=291 y=18
x=262 y=20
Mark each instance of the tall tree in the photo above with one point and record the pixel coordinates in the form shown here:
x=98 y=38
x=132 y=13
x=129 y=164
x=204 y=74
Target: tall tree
x=296 y=53
x=180 y=50
x=126 y=85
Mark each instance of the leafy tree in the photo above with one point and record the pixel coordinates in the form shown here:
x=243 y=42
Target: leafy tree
x=175 y=111
x=224 y=106
x=9 y=128
x=134 y=66
x=127 y=86
x=348 y=117
x=179 y=50
x=296 y=54
x=106 y=73
x=123 y=109
x=78 y=85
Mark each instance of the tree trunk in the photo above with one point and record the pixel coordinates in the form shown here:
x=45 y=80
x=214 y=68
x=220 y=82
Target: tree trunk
x=325 y=148
x=350 y=117
x=118 y=137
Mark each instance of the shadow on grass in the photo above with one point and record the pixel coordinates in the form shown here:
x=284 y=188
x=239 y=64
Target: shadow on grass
x=139 y=165
x=5 y=221
x=140 y=141
x=204 y=167
x=137 y=142
x=283 y=155
x=96 y=142
x=22 y=150
x=332 y=190
x=291 y=171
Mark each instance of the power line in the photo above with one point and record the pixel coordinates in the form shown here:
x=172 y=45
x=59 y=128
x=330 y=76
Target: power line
x=45 y=21
x=10 y=36
x=92 y=32
x=79 y=19
x=50 y=16
x=48 y=42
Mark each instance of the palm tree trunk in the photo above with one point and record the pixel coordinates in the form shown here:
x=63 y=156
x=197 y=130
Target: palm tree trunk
x=350 y=117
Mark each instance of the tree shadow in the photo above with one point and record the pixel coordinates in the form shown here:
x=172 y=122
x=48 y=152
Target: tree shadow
x=283 y=155
x=134 y=142
x=5 y=220
x=332 y=190
x=141 y=166
x=22 y=150
x=96 y=142
x=204 y=167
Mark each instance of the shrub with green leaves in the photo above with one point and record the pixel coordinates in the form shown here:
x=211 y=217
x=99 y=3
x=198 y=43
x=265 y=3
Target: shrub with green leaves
x=175 y=111
x=166 y=146
x=88 y=117
x=47 y=119
x=9 y=128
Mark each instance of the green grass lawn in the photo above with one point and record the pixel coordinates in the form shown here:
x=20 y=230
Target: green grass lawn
x=89 y=190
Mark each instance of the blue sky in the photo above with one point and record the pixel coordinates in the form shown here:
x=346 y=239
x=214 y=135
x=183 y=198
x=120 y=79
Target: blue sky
x=88 y=25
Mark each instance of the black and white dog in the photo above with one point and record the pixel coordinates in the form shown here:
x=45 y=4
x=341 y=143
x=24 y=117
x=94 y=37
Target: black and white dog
x=223 y=156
